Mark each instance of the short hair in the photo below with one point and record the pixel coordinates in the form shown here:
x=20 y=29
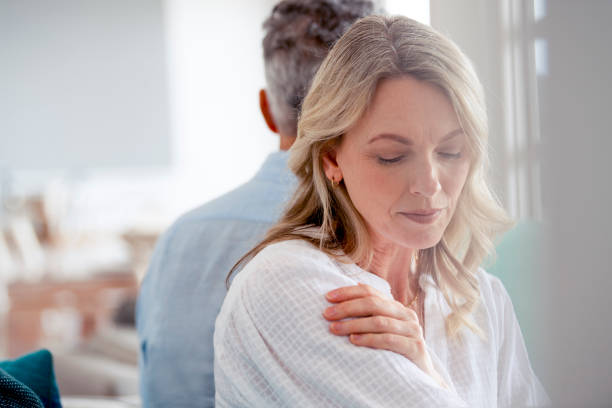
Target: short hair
x=299 y=33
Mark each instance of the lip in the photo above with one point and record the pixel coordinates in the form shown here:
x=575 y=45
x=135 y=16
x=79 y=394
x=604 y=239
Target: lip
x=423 y=216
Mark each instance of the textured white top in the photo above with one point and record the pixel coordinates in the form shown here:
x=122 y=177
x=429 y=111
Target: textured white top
x=273 y=347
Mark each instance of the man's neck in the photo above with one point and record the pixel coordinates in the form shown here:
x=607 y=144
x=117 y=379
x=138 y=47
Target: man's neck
x=286 y=141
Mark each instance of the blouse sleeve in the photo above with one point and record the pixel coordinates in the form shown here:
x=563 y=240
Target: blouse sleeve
x=273 y=346
x=518 y=386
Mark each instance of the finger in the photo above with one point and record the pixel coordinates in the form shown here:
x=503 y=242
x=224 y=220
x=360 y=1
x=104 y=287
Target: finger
x=352 y=292
x=412 y=348
x=377 y=324
x=369 y=306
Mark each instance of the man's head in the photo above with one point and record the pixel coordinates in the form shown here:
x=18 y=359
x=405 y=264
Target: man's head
x=299 y=33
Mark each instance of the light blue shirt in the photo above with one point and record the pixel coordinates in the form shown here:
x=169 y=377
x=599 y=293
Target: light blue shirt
x=184 y=287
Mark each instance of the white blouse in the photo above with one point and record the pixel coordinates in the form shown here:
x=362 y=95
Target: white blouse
x=273 y=348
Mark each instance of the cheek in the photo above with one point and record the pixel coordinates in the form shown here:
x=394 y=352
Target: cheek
x=371 y=188
x=453 y=182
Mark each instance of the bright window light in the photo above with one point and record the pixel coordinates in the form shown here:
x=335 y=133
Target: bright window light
x=415 y=9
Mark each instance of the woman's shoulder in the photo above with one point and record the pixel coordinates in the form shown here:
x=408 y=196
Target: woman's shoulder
x=295 y=248
x=295 y=264
x=292 y=254
x=285 y=280
x=490 y=285
x=495 y=301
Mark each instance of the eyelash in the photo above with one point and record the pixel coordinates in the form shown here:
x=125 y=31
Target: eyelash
x=382 y=160
x=451 y=155
x=397 y=159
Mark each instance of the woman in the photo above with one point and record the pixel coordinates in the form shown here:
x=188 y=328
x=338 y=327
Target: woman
x=368 y=290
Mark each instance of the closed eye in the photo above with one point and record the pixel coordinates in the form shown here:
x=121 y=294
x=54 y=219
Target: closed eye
x=391 y=160
x=450 y=155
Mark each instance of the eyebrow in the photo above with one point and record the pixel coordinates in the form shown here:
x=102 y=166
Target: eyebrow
x=408 y=142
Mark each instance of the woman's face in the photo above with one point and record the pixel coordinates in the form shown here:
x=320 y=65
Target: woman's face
x=404 y=163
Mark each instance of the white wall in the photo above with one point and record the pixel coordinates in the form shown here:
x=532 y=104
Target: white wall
x=141 y=110
x=84 y=105
x=415 y=9
x=83 y=85
x=216 y=70
x=575 y=101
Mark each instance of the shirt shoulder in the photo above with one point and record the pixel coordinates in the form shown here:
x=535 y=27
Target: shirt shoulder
x=517 y=383
x=298 y=251
x=294 y=265
x=251 y=201
x=492 y=290
x=289 y=278
x=238 y=217
x=259 y=199
x=496 y=306
x=271 y=328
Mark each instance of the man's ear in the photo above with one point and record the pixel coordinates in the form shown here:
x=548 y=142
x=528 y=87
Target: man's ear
x=330 y=165
x=265 y=110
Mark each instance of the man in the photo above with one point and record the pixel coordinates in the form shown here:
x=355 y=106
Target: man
x=184 y=287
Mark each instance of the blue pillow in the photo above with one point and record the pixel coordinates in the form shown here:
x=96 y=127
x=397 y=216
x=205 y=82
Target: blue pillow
x=34 y=371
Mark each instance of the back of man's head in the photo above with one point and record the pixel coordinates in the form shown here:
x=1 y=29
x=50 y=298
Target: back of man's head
x=299 y=33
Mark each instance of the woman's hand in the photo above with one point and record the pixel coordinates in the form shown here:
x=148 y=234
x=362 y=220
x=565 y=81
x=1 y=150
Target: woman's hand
x=380 y=323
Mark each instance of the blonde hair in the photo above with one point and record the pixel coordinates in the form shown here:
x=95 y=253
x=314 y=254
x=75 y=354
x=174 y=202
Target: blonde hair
x=373 y=49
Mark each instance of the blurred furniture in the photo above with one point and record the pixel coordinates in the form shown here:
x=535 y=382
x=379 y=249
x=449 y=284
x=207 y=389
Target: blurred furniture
x=30 y=380
x=94 y=358
x=105 y=365
x=50 y=313
x=101 y=402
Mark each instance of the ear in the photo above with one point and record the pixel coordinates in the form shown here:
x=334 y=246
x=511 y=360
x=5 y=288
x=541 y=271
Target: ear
x=265 y=110
x=330 y=165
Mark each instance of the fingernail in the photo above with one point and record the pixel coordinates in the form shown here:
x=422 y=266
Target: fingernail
x=355 y=336
x=330 y=311
x=332 y=295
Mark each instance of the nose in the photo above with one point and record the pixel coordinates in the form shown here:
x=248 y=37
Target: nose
x=425 y=181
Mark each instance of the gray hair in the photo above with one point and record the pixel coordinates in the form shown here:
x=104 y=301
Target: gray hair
x=299 y=33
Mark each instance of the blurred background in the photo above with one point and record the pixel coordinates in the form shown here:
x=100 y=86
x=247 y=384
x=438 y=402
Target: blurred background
x=116 y=117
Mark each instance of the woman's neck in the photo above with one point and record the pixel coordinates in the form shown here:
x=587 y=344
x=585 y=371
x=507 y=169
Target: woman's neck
x=394 y=264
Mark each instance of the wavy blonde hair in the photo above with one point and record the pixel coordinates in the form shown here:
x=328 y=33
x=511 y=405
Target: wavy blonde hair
x=373 y=49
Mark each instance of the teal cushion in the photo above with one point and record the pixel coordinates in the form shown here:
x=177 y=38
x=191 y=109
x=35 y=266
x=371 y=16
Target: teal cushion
x=35 y=371
x=14 y=394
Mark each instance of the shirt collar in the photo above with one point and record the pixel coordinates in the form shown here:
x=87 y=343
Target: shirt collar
x=275 y=168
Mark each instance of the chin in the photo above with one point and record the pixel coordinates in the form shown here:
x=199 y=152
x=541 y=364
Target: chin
x=410 y=236
x=426 y=245
x=424 y=239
